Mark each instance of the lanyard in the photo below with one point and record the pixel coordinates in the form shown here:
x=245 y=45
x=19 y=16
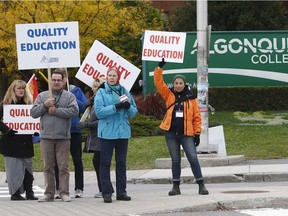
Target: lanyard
x=58 y=99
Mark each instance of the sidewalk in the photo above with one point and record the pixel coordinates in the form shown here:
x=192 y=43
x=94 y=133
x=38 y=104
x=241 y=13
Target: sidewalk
x=158 y=201
x=248 y=171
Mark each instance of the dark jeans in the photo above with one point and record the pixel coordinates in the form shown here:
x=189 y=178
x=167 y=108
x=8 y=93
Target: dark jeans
x=174 y=141
x=96 y=164
x=107 y=148
x=76 y=153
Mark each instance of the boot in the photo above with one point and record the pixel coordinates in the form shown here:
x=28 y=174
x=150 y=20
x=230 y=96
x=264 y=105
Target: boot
x=28 y=185
x=17 y=196
x=30 y=196
x=202 y=188
x=175 y=190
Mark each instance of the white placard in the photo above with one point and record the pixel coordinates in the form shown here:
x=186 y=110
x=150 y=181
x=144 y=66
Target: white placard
x=47 y=45
x=167 y=45
x=97 y=62
x=17 y=117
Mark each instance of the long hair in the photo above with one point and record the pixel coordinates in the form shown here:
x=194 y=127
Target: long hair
x=10 y=95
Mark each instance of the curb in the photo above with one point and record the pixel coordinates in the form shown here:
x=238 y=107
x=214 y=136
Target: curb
x=252 y=203
x=211 y=160
x=235 y=178
x=267 y=202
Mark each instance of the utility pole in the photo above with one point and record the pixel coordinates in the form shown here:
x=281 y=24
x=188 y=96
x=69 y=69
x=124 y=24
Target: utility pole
x=202 y=72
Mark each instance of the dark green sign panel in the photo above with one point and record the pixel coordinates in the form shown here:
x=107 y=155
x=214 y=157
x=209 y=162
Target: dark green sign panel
x=236 y=59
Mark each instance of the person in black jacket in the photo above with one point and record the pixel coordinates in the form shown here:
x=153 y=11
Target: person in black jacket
x=17 y=149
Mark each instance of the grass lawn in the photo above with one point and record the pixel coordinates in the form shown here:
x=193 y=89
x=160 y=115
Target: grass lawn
x=257 y=135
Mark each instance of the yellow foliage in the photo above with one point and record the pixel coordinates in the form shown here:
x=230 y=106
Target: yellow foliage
x=117 y=24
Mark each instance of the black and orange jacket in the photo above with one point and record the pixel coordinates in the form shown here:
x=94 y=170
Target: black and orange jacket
x=192 y=116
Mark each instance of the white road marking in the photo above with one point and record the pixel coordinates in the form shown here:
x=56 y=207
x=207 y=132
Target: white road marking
x=4 y=192
x=265 y=212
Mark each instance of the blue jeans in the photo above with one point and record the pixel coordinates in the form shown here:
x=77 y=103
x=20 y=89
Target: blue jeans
x=174 y=141
x=107 y=148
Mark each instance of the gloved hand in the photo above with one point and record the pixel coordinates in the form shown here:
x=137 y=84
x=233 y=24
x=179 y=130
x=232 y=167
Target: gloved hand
x=36 y=134
x=81 y=125
x=119 y=106
x=162 y=63
x=89 y=102
x=126 y=105
x=87 y=106
x=197 y=140
x=11 y=132
x=122 y=105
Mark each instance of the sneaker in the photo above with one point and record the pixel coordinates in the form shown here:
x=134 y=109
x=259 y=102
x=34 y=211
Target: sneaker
x=66 y=198
x=46 y=198
x=78 y=193
x=98 y=195
x=57 y=196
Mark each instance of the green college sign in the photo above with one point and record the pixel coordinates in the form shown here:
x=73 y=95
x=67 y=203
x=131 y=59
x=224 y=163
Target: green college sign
x=235 y=59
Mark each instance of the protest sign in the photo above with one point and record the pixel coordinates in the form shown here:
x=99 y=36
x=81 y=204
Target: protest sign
x=167 y=45
x=97 y=62
x=47 y=45
x=17 y=117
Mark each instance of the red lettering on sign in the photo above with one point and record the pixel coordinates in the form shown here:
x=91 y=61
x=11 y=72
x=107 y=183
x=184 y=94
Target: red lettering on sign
x=90 y=71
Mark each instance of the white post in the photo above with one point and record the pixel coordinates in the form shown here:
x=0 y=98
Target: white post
x=202 y=72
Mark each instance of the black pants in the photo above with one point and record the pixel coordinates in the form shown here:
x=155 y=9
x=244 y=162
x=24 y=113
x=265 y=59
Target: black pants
x=28 y=182
x=96 y=164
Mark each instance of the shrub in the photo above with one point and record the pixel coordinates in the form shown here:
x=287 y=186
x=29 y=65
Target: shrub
x=151 y=105
x=248 y=98
x=145 y=126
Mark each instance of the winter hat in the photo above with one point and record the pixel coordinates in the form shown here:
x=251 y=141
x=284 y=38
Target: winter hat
x=117 y=71
x=179 y=76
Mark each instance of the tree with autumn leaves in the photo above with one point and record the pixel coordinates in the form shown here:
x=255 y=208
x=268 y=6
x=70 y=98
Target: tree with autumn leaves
x=117 y=24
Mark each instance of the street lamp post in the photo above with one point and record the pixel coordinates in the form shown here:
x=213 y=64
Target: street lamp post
x=202 y=72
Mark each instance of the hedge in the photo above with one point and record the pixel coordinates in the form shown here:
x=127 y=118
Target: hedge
x=248 y=98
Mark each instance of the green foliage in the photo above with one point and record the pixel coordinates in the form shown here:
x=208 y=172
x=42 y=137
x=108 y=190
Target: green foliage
x=185 y=18
x=234 y=16
x=143 y=126
x=249 y=98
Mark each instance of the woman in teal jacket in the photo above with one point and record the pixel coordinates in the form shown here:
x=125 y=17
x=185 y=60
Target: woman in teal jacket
x=114 y=106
